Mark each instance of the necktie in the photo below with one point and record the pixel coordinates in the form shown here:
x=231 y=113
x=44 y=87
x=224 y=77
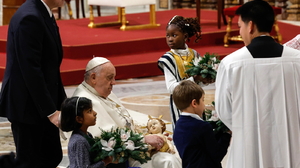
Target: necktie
x=54 y=25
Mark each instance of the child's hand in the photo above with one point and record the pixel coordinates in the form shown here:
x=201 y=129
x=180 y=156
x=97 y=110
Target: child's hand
x=229 y=132
x=198 y=78
x=108 y=160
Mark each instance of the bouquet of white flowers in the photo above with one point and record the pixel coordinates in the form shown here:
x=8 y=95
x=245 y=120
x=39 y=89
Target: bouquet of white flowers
x=205 y=66
x=121 y=144
x=211 y=116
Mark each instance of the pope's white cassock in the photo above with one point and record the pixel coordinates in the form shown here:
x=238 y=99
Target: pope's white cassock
x=111 y=113
x=260 y=103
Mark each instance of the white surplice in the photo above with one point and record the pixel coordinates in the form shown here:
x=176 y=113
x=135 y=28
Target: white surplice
x=109 y=116
x=259 y=100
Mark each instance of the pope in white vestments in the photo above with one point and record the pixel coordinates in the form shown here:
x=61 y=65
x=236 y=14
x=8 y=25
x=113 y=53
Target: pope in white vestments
x=258 y=98
x=111 y=113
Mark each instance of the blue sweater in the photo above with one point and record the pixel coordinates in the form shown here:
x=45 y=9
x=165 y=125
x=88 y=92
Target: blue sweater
x=78 y=152
x=197 y=144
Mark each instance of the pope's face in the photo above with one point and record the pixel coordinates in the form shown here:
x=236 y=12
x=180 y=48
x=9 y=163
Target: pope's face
x=105 y=80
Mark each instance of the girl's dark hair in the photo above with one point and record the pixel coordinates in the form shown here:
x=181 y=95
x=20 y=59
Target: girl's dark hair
x=190 y=26
x=72 y=107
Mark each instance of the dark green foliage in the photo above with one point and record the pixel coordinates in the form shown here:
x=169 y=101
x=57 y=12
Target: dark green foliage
x=119 y=152
x=218 y=125
x=205 y=67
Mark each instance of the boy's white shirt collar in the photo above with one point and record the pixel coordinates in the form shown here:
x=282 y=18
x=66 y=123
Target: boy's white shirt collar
x=192 y=115
x=48 y=9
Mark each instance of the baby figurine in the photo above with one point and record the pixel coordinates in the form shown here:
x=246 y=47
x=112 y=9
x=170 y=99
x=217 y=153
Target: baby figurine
x=157 y=126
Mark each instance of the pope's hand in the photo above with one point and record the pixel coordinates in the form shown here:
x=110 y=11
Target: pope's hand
x=154 y=140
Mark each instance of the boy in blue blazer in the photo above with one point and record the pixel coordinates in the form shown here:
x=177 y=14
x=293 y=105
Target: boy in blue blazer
x=193 y=137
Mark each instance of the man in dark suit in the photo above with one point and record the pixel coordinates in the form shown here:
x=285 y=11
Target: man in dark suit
x=32 y=90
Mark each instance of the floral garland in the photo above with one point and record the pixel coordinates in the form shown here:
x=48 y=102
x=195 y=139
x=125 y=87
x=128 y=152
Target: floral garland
x=212 y=117
x=121 y=144
x=206 y=67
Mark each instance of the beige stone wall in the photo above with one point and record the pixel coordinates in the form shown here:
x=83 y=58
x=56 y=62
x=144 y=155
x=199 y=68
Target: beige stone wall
x=293 y=11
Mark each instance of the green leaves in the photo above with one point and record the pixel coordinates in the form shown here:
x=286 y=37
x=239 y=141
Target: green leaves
x=115 y=143
x=211 y=117
x=206 y=67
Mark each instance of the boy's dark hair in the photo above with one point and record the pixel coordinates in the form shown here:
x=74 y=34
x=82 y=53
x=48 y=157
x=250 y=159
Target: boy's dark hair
x=190 y=26
x=185 y=93
x=259 y=12
x=69 y=111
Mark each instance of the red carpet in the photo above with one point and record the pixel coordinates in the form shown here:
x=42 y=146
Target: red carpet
x=134 y=52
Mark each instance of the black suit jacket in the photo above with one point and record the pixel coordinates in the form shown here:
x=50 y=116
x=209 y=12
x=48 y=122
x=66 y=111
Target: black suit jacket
x=32 y=88
x=197 y=144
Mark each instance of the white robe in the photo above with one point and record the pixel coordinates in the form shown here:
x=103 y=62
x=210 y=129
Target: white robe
x=259 y=100
x=107 y=117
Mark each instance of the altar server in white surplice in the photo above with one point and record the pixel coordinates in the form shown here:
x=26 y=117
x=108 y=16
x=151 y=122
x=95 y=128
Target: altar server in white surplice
x=98 y=82
x=258 y=95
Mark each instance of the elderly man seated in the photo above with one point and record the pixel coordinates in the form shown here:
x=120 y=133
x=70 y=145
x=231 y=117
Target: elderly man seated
x=98 y=82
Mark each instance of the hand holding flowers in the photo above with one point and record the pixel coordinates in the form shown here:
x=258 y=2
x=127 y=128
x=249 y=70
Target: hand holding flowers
x=203 y=69
x=212 y=117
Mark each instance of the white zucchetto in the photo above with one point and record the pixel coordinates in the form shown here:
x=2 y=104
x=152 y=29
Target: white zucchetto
x=95 y=62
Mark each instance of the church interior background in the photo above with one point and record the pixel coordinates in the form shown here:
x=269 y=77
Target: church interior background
x=143 y=95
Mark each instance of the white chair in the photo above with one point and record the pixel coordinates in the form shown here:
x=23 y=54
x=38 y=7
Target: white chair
x=121 y=4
